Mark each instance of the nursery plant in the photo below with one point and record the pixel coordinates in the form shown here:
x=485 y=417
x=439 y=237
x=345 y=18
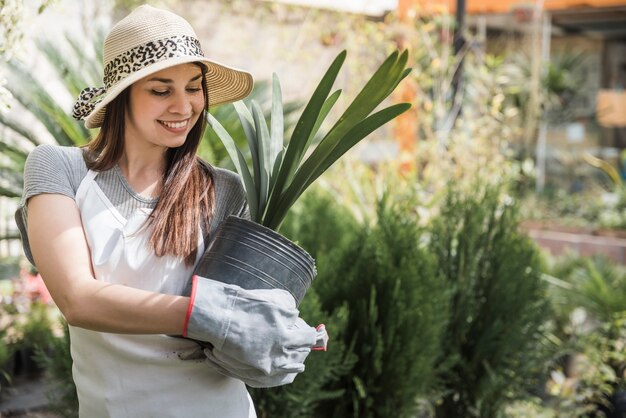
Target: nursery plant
x=251 y=254
x=593 y=298
x=494 y=343
x=278 y=175
x=57 y=361
x=397 y=306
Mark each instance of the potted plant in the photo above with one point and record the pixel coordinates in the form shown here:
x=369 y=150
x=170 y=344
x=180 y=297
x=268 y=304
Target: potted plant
x=250 y=253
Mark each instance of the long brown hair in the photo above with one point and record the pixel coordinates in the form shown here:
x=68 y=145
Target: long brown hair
x=187 y=194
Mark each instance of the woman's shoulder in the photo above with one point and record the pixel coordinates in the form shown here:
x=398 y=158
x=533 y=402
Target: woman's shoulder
x=52 y=154
x=230 y=195
x=224 y=181
x=55 y=165
x=226 y=178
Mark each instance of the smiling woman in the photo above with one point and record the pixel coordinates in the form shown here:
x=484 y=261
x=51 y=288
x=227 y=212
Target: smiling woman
x=165 y=106
x=116 y=228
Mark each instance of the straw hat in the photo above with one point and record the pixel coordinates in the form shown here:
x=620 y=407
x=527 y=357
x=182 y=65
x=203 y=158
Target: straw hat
x=144 y=42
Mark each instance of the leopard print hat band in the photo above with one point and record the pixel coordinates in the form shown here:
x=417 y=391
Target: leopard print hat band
x=146 y=41
x=133 y=60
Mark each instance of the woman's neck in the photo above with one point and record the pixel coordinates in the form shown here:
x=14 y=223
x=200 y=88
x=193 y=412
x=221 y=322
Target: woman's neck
x=143 y=169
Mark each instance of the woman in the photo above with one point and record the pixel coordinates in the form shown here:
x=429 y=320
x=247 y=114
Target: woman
x=115 y=229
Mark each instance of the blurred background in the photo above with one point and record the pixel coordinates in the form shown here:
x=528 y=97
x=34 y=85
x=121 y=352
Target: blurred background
x=471 y=253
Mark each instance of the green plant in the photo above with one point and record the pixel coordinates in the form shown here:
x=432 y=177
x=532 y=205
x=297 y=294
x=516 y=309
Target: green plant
x=37 y=329
x=56 y=360
x=212 y=149
x=319 y=223
x=6 y=352
x=76 y=68
x=25 y=325
x=397 y=312
x=599 y=287
x=604 y=365
x=494 y=344
x=590 y=295
x=278 y=178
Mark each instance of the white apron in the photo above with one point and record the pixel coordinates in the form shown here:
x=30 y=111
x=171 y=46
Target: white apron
x=138 y=376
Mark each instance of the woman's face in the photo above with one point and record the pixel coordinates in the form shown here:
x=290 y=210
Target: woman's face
x=164 y=106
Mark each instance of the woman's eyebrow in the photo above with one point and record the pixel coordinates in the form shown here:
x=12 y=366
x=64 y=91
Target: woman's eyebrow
x=170 y=81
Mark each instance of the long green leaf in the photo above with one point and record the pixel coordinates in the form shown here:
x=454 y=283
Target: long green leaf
x=8 y=237
x=265 y=162
x=404 y=74
x=16 y=155
x=70 y=127
x=379 y=86
x=374 y=92
x=360 y=131
x=247 y=122
x=275 y=192
x=19 y=128
x=328 y=105
x=31 y=94
x=60 y=62
x=239 y=161
x=295 y=148
x=277 y=136
x=93 y=67
x=323 y=162
x=277 y=163
x=4 y=192
x=10 y=182
x=277 y=123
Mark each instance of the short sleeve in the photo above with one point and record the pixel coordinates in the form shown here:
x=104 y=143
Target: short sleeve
x=230 y=197
x=48 y=169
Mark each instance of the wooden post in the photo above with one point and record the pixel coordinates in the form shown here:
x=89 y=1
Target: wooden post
x=405 y=125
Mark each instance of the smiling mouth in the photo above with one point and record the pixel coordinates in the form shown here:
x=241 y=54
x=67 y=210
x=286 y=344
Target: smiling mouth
x=175 y=125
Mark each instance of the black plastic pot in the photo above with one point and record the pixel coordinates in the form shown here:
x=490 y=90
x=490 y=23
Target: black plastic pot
x=252 y=256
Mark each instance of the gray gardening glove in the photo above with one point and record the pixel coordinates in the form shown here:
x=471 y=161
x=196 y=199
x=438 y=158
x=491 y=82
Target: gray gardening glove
x=247 y=324
x=251 y=376
x=288 y=366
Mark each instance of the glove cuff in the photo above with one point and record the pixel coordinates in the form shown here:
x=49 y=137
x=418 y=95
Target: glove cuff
x=211 y=311
x=192 y=299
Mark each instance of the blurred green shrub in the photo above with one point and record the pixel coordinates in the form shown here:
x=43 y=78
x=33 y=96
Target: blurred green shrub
x=384 y=281
x=319 y=223
x=37 y=329
x=590 y=299
x=56 y=360
x=494 y=345
x=6 y=352
x=450 y=313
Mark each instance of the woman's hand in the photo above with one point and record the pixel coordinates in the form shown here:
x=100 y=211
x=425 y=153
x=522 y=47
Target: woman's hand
x=254 y=332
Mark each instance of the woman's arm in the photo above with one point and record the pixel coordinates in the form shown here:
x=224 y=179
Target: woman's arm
x=61 y=254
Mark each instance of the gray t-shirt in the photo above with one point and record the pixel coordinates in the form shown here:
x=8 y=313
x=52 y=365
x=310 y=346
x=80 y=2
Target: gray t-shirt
x=60 y=170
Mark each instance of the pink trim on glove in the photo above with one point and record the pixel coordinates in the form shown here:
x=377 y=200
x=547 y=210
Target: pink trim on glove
x=322 y=348
x=192 y=299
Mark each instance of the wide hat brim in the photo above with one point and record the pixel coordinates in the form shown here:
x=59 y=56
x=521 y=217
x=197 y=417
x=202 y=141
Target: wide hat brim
x=224 y=85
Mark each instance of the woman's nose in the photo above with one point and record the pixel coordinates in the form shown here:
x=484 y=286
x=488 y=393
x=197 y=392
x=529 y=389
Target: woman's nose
x=180 y=104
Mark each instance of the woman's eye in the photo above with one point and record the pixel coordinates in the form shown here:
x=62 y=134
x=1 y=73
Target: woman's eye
x=160 y=92
x=194 y=89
